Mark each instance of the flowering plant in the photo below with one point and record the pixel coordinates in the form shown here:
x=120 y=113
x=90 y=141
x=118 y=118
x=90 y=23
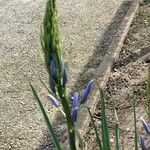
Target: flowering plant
x=58 y=77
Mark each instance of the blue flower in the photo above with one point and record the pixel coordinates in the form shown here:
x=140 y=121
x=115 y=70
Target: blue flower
x=52 y=86
x=142 y=143
x=74 y=107
x=145 y=125
x=54 y=68
x=86 y=92
x=53 y=100
x=65 y=76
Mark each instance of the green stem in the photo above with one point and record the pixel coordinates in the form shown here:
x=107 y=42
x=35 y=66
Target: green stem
x=72 y=140
x=70 y=124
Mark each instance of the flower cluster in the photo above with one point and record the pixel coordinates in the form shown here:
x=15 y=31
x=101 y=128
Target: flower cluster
x=77 y=100
x=57 y=77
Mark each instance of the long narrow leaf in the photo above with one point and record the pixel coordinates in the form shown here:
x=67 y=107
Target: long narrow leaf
x=117 y=131
x=45 y=86
x=47 y=121
x=105 y=129
x=135 y=126
x=96 y=131
x=148 y=94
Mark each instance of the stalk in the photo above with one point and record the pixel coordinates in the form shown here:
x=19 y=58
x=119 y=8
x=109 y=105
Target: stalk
x=70 y=125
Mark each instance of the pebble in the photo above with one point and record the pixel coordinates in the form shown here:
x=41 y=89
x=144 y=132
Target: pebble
x=112 y=140
x=127 y=129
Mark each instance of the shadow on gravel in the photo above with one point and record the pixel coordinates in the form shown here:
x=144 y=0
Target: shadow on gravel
x=88 y=71
x=101 y=49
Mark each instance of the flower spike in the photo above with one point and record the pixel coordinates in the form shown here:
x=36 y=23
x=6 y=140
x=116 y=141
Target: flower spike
x=74 y=107
x=53 y=100
x=86 y=92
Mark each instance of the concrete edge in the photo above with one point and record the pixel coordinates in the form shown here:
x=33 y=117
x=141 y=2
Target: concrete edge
x=102 y=73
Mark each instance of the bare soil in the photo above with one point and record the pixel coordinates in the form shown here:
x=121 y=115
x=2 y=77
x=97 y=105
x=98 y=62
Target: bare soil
x=127 y=80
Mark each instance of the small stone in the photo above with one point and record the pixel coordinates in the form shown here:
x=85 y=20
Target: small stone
x=115 y=70
x=112 y=140
x=22 y=103
x=146 y=22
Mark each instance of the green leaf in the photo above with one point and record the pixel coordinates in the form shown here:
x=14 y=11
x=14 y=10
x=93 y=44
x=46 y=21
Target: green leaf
x=45 y=86
x=96 y=130
x=105 y=129
x=47 y=121
x=117 y=130
x=135 y=127
x=148 y=94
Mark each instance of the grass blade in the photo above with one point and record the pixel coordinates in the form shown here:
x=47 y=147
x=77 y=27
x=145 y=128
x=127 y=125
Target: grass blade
x=49 y=126
x=117 y=130
x=96 y=131
x=135 y=127
x=148 y=94
x=45 y=86
x=105 y=130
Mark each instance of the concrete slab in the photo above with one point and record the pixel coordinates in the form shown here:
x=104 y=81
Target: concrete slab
x=84 y=24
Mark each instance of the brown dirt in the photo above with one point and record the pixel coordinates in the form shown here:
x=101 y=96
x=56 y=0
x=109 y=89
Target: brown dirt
x=128 y=79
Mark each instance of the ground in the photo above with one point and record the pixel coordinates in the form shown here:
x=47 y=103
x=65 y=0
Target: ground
x=128 y=79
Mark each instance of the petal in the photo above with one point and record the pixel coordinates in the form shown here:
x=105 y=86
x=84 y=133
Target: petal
x=53 y=68
x=74 y=115
x=52 y=86
x=86 y=91
x=142 y=143
x=74 y=107
x=145 y=125
x=65 y=76
x=53 y=100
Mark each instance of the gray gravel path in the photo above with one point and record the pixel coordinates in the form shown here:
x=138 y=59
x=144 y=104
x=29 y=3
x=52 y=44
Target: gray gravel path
x=83 y=24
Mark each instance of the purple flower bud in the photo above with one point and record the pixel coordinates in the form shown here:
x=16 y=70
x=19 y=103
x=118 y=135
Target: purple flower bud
x=65 y=76
x=142 y=143
x=53 y=100
x=86 y=92
x=145 y=125
x=52 y=86
x=74 y=107
x=54 y=68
